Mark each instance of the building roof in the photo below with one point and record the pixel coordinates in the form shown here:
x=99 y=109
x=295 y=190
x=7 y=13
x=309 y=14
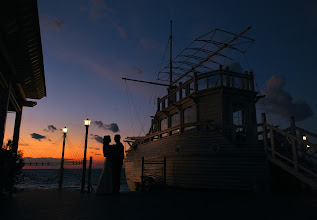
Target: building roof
x=21 y=45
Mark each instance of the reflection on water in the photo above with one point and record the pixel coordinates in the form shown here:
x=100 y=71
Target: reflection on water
x=48 y=179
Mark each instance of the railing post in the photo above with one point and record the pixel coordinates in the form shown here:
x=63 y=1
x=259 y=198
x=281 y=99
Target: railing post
x=264 y=131
x=220 y=75
x=227 y=77
x=251 y=81
x=195 y=82
x=142 y=173
x=180 y=90
x=158 y=104
x=246 y=80
x=292 y=128
x=164 y=170
x=272 y=142
x=89 y=175
x=294 y=151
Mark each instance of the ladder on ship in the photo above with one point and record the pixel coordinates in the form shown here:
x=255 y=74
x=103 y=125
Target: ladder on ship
x=291 y=150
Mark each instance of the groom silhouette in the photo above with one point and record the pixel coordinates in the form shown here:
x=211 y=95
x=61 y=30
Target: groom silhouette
x=117 y=162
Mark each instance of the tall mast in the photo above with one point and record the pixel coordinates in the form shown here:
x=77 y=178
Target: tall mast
x=171 y=44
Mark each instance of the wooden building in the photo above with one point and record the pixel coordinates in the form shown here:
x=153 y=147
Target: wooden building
x=21 y=61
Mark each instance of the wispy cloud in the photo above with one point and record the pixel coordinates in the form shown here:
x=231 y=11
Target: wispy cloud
x=111 y=127
x=149 y=43
x=97 y=138
x=52 y=23
x=282 y=103
x=100 y=10
x=50 y=128
x=38 y=137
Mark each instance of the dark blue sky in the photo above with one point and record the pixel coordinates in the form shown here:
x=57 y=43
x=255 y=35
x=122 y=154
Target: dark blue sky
x=88 y=45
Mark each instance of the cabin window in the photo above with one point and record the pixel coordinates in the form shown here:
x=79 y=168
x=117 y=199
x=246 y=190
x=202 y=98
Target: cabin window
x=164 y=124
x=175 y=119
x=238 y=117
x=202 y=84
x=189 y=114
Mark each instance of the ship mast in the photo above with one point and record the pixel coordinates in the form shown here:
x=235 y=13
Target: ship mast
x=171 y=64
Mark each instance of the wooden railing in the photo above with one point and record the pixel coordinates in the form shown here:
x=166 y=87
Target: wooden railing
x=214 y=79
x=290 y=152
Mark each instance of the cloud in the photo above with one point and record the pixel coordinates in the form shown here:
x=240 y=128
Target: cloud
x=52 y=23
x=37 y=136
x=136 y=70
x=97 y=138
x=149 y=43
x=99 y=10
x=50 y=128
x=111 y=127
x=281 y=102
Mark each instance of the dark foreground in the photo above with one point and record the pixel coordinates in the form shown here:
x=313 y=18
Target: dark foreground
x=165 y=204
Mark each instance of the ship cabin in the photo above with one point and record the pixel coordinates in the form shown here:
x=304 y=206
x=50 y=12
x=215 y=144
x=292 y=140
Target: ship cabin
x=222 y=99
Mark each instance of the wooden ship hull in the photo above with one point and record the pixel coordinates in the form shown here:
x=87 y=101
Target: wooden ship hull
x=201 y=160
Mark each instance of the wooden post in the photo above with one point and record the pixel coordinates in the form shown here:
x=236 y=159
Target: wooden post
x=16 y=134
x=220 y=75
x=292 y=128
x=246 y=80
x=251 y=80
x=294 y=148
x=272 y=142
x=89 y=175
x=180 y=90
x=158 y=104
x=164 y=170
x=195 y=82
x=4 y=104
x=142 y=173
x=264 y=131
x=227 y=77
x=294 y=151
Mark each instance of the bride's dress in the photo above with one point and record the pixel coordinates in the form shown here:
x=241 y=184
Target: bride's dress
x=105 y=182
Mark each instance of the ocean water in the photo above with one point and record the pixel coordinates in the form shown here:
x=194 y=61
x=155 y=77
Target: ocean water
x=48 y=179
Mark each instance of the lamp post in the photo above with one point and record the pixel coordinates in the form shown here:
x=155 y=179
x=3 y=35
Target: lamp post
x=82 y=188
x=61 y=171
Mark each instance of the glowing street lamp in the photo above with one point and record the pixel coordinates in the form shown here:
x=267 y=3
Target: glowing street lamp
x=65 y=130
x=61 y=171
x=82 y=188
x=87 y=122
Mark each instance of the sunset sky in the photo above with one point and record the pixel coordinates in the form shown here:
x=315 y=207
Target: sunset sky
x=89 y=45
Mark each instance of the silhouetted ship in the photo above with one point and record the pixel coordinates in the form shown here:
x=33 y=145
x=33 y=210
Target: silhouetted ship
x=206 y=125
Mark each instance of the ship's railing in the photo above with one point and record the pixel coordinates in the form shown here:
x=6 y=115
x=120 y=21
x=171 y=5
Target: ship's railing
x=214 y=79
x=294 y=154
x=179 y=129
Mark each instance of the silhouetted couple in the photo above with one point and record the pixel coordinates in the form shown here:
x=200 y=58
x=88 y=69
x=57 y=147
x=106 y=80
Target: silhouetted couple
x=109 y=182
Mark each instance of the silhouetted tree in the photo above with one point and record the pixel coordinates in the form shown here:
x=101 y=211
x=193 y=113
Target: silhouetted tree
x=10 y=166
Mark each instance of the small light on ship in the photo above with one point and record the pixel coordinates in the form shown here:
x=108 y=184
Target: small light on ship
x=65 y=130
x=87 y=122
x=304 y=138
x=308 y=146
